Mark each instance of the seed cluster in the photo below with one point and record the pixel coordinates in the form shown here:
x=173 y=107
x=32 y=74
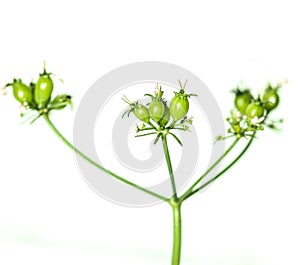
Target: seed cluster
x=37 y=97
x=160 y=118
x=252 y=113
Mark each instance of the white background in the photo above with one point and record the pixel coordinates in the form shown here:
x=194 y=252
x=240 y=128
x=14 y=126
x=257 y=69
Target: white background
x=48 y=215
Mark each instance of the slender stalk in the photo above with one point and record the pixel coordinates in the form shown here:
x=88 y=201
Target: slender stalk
x=224 y=170
x=176 y=207
x=66 y=142
x=144 y=129
x=190 y=190
x=152 y=125
x=169 y=164
x=140 y=135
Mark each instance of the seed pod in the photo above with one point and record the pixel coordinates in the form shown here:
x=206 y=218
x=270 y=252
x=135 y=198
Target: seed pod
x=254 y=109
x=242 y=100
x=156 y=109
x=142 y=113
x=43 y=89
x=270 y=98
x=139 y=110
x=61 y=101
x=22 y=92
x=157 y=106
x=165 y=119
x=179 y=106
x=236 y=128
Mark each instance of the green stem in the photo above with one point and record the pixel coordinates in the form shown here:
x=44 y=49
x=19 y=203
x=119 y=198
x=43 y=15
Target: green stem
x=152 y=125
x=224 y=170
x=66 y=142
x=169 y=164
x=176 y=207
x=140 y=135
x=144 y=129
x=190 y=190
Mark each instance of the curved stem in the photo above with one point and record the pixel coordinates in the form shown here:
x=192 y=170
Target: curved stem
x=169 y=164
x=190 y=190
x=176 y=207
x=66 y=142
x=224 y=170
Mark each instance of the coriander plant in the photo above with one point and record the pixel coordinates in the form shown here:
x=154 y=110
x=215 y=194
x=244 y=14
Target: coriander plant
x=161 y=118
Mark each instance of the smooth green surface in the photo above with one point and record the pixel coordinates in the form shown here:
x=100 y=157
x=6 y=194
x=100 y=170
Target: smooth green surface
x=169 y=164
x=176 y=254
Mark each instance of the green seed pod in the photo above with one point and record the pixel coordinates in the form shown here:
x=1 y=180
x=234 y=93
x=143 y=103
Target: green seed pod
x=142 y=113
x=179 y=106
x=242 y=100
x=61 y=101
x=156 y=109
x=139 y=110
x=270 y=99
x=236 y=128
x=165 y=119
x=22 y=92
x=157 y=106
x=254 y=110
x=43 y=89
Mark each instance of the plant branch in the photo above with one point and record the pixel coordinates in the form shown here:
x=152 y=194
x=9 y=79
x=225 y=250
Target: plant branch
x=169 y=164
x=224 y=170
x=190 y=190
x=66 y=142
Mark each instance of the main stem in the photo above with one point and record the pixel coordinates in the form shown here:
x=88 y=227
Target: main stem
x=176 y=207
x=169 y=164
